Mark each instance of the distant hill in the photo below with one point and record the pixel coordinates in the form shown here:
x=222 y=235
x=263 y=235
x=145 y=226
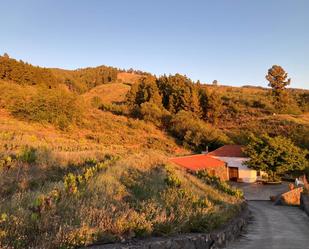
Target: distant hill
x=246 y=108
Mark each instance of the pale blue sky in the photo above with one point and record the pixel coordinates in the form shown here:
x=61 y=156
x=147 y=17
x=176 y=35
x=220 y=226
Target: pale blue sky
x=233 y=41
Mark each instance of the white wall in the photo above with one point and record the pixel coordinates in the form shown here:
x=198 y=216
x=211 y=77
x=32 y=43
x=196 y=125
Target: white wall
x=246 y=174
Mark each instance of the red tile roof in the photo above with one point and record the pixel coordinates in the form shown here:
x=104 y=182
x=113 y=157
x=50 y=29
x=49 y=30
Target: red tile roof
x=197 y=162
x=228 y=151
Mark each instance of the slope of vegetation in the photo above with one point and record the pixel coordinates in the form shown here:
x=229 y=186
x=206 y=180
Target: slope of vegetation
x=111 y=200
x=84 y=153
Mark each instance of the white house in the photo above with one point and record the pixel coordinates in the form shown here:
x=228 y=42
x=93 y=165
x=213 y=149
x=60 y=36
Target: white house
x=233 y=156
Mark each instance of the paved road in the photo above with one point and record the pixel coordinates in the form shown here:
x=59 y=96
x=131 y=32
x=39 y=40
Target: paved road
x=256 y=191
x=272 y=227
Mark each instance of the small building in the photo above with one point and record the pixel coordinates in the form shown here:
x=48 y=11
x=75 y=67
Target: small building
x=235 y=158
x=194 y=163
x=226 y=162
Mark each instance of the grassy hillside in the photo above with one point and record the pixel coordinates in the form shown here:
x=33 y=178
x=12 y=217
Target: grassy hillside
x=112 y=93
x=81 y=162
x=128 y=78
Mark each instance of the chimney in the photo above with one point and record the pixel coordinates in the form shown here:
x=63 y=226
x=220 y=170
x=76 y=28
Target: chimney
x=206 y=151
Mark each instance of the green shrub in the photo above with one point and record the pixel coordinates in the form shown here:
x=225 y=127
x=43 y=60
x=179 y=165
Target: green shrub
x=172 y=179
x=223 y=186
x=152 y=113
x=54 y=106
x=194 y=133
x=7 y=162
x=114 y=108
x=28 y=155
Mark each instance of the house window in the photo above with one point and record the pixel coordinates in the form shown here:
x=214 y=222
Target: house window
x=258 y=173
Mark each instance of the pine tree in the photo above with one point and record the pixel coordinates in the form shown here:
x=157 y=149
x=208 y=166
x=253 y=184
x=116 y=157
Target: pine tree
x=278 y=80
x=203 y=99
x=214 y=107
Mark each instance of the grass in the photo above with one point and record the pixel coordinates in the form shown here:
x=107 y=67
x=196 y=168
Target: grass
x=114 y=200
x=108 y=93
x=106 y=178
x=62 y=188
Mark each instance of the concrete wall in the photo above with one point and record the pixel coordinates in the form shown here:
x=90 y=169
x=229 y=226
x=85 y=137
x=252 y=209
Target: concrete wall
x=217 y=239
x=245 y=174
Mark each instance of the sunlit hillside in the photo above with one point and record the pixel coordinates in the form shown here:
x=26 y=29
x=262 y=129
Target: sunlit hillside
x=84 y=153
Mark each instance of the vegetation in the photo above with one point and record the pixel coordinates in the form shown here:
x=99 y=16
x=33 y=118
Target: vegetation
x=277 y=78
x=79 y=80
x=57 y=107
x=194 y=133
x=223 y=186
x=109 y=201
x=24 y=73
x=83 y=153
x=275 y=156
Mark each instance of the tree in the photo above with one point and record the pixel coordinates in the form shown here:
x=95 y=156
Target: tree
x=215 y=82
x=179 y=93
x=194 y=133
x=203 y=97
x=277 y=155
x=214 y=107
x=278 y=80
x=151 y=112
x=145 y=91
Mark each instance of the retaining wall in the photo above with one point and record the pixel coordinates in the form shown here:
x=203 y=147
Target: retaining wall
x=304 y=203
x=213 y=240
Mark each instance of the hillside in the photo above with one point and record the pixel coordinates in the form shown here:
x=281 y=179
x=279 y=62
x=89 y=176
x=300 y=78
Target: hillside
x=84 y=153
x=108 y=93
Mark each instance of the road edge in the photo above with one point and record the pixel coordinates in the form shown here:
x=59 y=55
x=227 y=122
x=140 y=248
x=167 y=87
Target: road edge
x=216 y=239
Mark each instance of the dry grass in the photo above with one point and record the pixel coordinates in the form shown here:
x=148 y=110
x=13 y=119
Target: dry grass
x=128 y=78
x=100 y=132
x=130 y=198
x=108 y=93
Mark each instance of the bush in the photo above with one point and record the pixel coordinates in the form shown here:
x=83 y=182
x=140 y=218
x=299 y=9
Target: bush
x=194 y=133
x=28 y=155
x=115 y=109
x=57 y=107
x=216 y=182
x=152 y=113
x=7 y=162
x=96 y=102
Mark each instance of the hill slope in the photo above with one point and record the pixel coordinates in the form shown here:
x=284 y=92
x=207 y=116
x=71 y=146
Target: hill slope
x=80 y=164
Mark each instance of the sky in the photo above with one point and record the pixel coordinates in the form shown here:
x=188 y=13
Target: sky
x=232 y=41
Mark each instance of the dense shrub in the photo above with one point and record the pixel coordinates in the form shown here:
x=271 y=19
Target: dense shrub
x=151 y=112
x=194 y=133
x=114 y=108
x=28 y=155
x=144 y=91
x=223 y=186
x=54 y=106
x=25 y=74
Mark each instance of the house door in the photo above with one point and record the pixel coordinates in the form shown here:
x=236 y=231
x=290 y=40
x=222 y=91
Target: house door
x=233 y=173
